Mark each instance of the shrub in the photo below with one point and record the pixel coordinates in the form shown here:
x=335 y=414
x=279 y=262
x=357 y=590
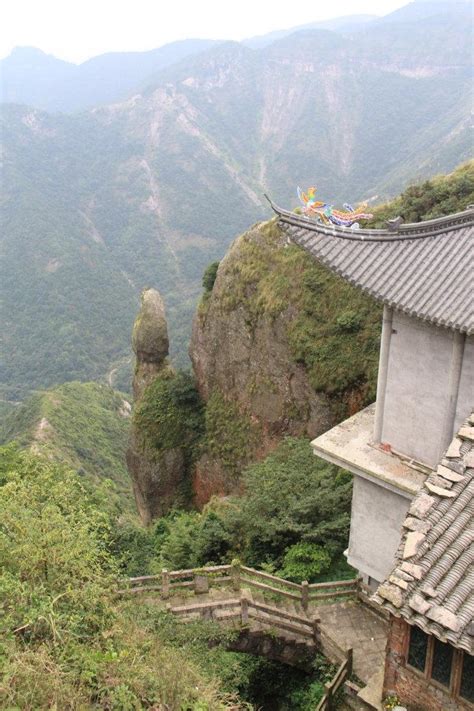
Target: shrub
x=209 y=276
x=304 y=561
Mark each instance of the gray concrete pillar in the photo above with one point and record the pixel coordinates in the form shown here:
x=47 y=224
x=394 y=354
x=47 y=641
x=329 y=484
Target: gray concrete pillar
x=383 y=370
x=455 y=369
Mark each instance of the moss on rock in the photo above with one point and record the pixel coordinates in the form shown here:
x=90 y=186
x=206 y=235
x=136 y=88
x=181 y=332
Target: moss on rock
x=231 y=435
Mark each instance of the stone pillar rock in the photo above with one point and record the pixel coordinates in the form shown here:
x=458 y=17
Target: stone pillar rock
x=156 y=476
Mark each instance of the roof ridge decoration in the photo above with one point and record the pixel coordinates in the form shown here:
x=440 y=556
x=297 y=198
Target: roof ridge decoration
x=328 y=214
x=424 y=269
x=404 y=231
x=432 y=582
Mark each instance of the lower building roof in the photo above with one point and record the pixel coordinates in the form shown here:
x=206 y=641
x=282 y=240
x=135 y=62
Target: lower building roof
x=432 y=582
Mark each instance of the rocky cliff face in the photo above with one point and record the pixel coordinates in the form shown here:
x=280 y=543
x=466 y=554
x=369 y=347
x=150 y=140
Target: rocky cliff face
x=279 y=347
x=156 y=473
x=255 y=388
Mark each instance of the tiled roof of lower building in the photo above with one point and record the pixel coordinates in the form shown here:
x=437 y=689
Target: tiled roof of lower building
x=432 y=583
x=424 y=269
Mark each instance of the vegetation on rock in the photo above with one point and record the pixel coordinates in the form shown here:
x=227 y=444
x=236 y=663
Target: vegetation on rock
x=170 y=415
x=442 y=195
x=230 y=435
x=333 y=329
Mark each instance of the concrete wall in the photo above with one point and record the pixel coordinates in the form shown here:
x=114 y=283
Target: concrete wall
x=418 y=385
x=376 y=524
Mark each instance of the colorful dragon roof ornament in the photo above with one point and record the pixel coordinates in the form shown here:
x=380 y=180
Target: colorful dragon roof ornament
x=348 y=217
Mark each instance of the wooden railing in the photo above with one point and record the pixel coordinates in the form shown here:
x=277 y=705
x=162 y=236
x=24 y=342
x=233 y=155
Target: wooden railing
x=245 y=609
x=198 y=580
x=330 y=689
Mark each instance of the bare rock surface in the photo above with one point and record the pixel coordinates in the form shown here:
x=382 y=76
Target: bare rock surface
x=247 y=357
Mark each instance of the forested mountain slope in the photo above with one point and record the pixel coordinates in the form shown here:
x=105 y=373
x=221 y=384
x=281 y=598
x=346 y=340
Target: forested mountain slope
x=147 y=192
x=81 y=425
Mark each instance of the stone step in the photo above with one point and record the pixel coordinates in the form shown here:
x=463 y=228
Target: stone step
x=371 y=694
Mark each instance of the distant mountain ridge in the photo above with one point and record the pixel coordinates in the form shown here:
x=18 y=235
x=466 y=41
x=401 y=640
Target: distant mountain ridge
x=29 y=76
x=148 y=191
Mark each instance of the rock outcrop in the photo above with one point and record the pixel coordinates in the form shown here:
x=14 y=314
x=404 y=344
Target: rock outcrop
x=150 y=341
x=157 y=474
x=280 y=347
x=241 y=354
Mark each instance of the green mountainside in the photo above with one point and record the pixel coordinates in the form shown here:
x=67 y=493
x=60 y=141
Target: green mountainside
x=82 y=425
x=100 y=204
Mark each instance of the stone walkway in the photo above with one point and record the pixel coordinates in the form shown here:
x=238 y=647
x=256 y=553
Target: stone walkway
x=352 y=624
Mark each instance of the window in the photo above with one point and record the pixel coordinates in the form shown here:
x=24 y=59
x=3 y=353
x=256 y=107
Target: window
x=467 y=678
x=442 y=661
x=418 y=648
x=443 y=664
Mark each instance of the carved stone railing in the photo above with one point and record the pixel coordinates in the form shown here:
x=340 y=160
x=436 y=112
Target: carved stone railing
x=199 y=580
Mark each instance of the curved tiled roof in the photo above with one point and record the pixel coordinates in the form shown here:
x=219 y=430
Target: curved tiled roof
x=432 y=583
x=424 y=269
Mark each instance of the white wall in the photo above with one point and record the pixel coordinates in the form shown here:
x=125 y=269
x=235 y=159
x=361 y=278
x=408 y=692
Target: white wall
x=417 y=390
x=377 y=516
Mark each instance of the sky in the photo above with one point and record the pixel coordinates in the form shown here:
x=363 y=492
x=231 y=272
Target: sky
x=76 y=30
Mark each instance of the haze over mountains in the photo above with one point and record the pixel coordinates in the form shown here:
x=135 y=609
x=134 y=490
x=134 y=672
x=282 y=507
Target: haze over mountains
x=146 y=191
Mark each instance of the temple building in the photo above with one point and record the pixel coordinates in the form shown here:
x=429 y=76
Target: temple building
x=412 y=533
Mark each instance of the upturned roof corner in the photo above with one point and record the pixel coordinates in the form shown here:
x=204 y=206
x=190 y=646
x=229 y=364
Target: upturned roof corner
x=423 y=269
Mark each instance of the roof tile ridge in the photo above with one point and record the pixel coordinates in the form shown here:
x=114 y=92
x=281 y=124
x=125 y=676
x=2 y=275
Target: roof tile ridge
x=408 y=231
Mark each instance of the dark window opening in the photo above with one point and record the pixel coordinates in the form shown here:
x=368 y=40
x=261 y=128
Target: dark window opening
x=467 y=677
x=418 y=648
x=442 y=660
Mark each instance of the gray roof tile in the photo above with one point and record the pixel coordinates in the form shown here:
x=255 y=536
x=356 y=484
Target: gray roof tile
x=440 y=598
x=424 y=269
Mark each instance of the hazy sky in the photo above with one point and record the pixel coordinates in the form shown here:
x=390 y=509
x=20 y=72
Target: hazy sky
x=78 y=29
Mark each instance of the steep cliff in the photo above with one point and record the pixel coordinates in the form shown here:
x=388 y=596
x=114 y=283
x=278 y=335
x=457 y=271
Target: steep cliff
x=160 y=439
x=279 y=347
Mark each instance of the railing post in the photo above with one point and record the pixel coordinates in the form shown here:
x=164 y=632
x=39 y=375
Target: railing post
x=315 y=622
x=244 y=609
x=165 y=584
x=201 y=584
x=304 y=595
x=235 y=574
x=206 y=613
x=349 y=653
x=328 y=694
